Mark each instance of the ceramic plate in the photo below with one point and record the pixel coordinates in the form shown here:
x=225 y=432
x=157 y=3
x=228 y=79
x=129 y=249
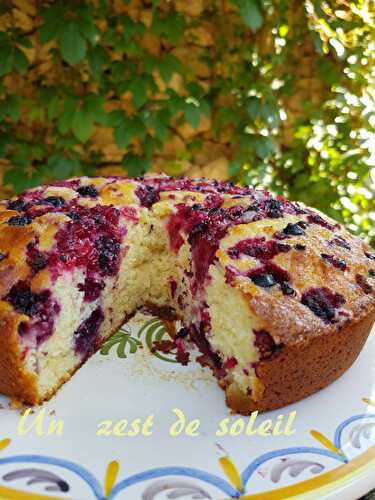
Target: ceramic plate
x=133 y=424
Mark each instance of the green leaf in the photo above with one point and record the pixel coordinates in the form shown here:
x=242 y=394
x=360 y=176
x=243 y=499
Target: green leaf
x=126 y=130
x=123 y=135
x=20 y=61
x=82 y=125
x=65 y=119
x=88 y=29
x=192 y=114
x=251 y=14
x=97 y=58
x=167 y=66
x=72 y=45
x=134 y=164
x=7 y=61
x=53 y=23
x=253 y=107
x=53 y=108
x=234 y=168
x=61 y=166
x=138 y=89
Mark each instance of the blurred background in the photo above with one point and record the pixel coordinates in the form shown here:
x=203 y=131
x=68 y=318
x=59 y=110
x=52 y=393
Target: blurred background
x=275 y=93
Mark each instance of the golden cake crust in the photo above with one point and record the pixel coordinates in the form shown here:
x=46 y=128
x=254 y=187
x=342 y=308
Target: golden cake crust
x=302 y=368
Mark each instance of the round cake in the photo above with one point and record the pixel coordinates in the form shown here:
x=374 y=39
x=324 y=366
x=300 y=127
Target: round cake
x=278 y=298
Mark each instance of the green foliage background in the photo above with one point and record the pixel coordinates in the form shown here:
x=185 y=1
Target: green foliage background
x=290 y=93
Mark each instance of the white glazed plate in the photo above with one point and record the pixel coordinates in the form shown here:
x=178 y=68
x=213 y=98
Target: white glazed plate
x=134 y=398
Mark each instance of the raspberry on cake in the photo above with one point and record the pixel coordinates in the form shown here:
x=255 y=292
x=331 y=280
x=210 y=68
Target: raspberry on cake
x=278 y=298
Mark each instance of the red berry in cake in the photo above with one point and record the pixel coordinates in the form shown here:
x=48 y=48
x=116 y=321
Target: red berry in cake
x=317 y=219
x=88 y=191
x=87 y=335
x=340 y=242
x=20 y=220
x=109 y=250
x=361 y=281
x=36 y=260
x=17 y=205
x=24 y=300
x=265 y=344
x=339 y=263
x=147 y=195
x=323 y=302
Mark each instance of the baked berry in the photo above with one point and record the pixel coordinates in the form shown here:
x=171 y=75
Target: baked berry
x=340 y=242
x=372 y=273
x=293 y=230
x=108 y=249
x=370 y=256
x=361 y=281
x=20 y=220
x=323 y=302
x=317 y=219
x=147 y=195
x=273 y=209
x=17 y=205
x=287 y=289
x=300 y=247
x=3 y=256
x=263 y=280
x=339 y=263
x=89 y=191
x=87 y=335
x=24 y=300
x=265 y=344
x=55 y=201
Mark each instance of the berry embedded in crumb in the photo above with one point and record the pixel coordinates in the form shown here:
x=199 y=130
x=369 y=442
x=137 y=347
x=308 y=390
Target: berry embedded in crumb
x=87 y=334
x=147 y=195
x=109 y=250
x=293 y=230
x=317 y=219
x=88 y=191
x=3 y=256
x=287 y=289
x=372 y=273
x=339 y=263
x=263 y=280
x=370 y=256
x=265 y=344
x=268 y=275
x=323 y=302
x=258 y=248
x=300 y=247
x=361 y=281
x=24 y=300
x=340 y=242
x=37 y=261
x=55 y=201
x=17 y=205
x=20 y=220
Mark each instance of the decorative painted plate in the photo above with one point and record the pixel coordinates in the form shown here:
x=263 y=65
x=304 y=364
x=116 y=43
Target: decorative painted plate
x=133 y=424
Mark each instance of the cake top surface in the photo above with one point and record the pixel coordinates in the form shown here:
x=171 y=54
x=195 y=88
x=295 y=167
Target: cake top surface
x=300 y=271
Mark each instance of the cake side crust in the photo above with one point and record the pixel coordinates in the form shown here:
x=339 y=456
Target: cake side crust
x=302 y=368
x=15 y=381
